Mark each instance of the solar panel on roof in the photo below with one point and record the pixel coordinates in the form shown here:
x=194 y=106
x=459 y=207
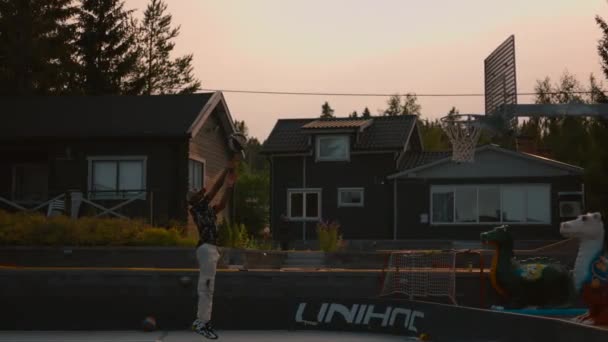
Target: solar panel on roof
x=320 y=124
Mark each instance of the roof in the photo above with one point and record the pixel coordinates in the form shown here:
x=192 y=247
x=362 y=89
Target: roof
x=418 y=161
x=383 y=133
x=100 y=116
x=337 y=123
x=413 y=159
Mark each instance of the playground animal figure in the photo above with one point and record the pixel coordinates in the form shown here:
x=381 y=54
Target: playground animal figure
x=540 y=282
x=591 y=266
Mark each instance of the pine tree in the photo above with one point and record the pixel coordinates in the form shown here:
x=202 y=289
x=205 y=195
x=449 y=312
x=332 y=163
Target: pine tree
x=366 y=113
x=394 y=106
x=162 y=74
x=108 y=49
x=326 y=111
x=602 y=46
x=410 y=105
x=354 y=114
x=36 y=46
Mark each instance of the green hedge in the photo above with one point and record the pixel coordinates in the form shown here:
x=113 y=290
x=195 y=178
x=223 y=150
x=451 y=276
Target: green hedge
x=30 y=229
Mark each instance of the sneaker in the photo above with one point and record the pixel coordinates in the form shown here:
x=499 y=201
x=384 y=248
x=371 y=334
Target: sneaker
x=206 y=330
x=197 y=324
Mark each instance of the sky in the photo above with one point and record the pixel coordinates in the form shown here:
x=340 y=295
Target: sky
x=376 y=46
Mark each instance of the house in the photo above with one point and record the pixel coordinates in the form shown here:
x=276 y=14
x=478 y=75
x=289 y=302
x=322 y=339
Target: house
x=128 y=156
x=374 y=177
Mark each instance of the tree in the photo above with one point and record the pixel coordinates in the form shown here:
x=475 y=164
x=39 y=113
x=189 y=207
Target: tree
x=602 y=46
x=433 y=137
x=326 y=111
x=108 y=48
x=161 y=74
x=252 y=200
x=366 y=113
x=410 y=105
x=394 y=106
x=354 y=114
x=36 y=46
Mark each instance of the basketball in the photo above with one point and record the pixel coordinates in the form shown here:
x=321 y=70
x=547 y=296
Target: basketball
x=237 y=142
x=149 y=324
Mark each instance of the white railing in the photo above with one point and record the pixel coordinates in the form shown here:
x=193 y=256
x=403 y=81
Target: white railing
x=52 y=204
x=58 y=203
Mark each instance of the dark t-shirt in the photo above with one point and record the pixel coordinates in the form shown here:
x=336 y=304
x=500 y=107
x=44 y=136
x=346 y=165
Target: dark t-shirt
x=204 y=216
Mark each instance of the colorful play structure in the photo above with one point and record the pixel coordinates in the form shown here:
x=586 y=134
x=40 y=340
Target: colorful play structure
x=541 y=286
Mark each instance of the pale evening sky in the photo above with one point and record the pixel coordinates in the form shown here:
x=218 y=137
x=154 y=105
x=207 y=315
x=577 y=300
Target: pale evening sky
x=376 y=46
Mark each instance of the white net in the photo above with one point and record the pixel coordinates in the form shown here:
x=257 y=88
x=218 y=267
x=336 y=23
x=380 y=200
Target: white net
x=463 y=132
x=420 y=274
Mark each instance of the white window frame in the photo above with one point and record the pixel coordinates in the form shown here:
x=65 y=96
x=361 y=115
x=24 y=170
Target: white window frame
x=304 y=191
x=202 y=161
x=342 y=204
x=453 y=188
x=143 y=159
x=324 y=137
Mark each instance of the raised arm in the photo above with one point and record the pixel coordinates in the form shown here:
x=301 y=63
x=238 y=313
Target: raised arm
x=217 y=185
x=230 y=180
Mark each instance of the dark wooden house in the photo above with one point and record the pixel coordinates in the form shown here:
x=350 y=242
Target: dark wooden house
x=374 y=177
x=140 y=153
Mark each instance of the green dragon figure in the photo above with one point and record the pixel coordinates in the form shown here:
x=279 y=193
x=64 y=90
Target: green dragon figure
x=539 y=282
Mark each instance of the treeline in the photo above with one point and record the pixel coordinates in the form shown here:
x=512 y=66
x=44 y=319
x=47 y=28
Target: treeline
x=90 y=47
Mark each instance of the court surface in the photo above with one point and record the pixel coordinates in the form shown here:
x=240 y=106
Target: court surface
x=187 y=336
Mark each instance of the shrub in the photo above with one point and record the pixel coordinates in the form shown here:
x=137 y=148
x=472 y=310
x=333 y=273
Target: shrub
x=235 y=235
x=329 y=236
x=37 y=230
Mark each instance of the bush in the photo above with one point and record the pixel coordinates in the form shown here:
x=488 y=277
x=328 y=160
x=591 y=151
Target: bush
x=32 y=229
x=329 y=236
x=234 y=235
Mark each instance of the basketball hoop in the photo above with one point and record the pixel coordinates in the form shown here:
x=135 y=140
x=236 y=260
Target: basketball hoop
x=463 y=130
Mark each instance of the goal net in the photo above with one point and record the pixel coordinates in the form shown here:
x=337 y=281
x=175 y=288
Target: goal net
x=418 y=274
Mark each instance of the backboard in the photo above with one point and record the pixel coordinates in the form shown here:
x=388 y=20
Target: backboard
x=500 y=76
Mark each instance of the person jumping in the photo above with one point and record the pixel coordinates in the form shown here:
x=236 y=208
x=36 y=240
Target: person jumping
x=204 y=215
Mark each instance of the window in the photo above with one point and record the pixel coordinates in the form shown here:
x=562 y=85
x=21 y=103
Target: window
x=510 y=204
x=196 y=174
x=488 y=198
x=350 y=197
x=116 y=177
x=333 y=148
x=304 y=204
x=443 y=205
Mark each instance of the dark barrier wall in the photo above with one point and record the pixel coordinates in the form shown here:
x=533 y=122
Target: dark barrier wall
x=71 y=299
x=63 y=299
x=440 y=322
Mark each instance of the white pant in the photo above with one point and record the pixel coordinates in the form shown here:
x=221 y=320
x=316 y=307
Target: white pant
x=207 y=256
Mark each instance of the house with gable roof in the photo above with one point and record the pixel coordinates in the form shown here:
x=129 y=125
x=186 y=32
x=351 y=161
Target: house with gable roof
x=374 y=177
x=132 y=156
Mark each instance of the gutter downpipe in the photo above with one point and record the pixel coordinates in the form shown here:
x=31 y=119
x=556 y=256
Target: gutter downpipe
x=395 y=209
x=304 y=187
